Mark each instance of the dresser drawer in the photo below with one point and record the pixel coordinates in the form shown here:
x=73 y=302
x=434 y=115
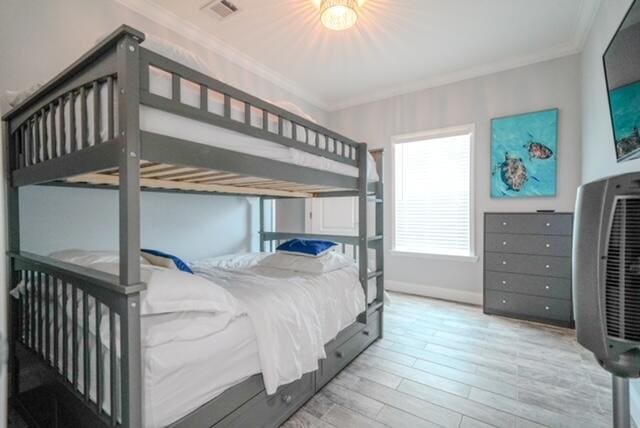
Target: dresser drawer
x=537 y=224
x=339 y=355
x=530 y=306
x=558 y=288
x=527 y=264
x=272 y=410
x=544 y=245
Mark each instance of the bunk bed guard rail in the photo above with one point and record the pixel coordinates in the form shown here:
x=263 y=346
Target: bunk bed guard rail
x=85 y=326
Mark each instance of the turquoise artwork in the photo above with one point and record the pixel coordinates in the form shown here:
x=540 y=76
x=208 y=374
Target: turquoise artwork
x=625 y=113
x=524 y=150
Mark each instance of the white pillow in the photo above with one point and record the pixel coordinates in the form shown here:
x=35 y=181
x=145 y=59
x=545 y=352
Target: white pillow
x=167 y=290
x=328 y=262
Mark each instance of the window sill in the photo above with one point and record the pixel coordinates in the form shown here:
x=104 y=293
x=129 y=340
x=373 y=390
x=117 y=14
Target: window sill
x=466 y=259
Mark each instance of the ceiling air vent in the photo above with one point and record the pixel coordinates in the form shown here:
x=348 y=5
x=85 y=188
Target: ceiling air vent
x=221 y=9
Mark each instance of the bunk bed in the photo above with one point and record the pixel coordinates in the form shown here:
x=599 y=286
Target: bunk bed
x=126 y=118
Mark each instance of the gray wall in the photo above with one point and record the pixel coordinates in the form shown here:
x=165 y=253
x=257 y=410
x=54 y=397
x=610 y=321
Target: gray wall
x=190 y=226
x=475 y=101
x=599 y=159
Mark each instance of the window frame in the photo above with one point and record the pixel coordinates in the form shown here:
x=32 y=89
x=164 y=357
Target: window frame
x=468 y=129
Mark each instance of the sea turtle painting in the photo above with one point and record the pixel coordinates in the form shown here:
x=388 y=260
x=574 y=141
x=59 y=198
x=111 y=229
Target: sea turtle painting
x=537 y=150
x=524 y=155
x=513 y=172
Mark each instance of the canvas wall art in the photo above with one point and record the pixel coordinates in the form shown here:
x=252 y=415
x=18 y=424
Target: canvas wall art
x=524 y=155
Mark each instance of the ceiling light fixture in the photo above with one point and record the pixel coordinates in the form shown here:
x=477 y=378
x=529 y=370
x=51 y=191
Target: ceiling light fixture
x=338 y=15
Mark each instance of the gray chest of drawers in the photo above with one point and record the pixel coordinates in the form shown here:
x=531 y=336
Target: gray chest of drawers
x=527 y=266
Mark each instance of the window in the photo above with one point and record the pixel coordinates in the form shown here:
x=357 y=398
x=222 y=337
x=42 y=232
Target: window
x=432 y=192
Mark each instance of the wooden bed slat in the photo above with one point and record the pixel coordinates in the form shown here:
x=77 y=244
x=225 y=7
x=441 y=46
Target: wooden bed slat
x=186 y=186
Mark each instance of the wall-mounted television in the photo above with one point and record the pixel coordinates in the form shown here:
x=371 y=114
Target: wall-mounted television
x=622 y=71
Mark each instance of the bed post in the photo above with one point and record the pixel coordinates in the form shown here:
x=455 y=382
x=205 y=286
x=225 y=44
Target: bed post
x=378 y=155
x=261 y=228
x=13 y=245
x=129 y=197
x=363 y=253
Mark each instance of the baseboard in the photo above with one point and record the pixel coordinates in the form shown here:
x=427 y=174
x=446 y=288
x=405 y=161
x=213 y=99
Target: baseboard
x=435 y=292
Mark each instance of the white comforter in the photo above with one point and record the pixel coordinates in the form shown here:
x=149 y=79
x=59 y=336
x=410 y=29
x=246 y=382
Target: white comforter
x=293 y=314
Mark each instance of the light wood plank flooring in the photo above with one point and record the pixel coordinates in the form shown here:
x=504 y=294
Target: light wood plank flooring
x=443 y=364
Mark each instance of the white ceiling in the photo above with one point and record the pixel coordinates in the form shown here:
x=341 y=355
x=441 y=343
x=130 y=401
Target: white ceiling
x=397 y=46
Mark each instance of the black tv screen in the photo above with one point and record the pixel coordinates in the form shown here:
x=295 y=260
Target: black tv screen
x=622 y=70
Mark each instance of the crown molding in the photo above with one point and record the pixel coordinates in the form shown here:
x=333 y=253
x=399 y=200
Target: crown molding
x=558 y=51
x=581 y=27
x=170 y=20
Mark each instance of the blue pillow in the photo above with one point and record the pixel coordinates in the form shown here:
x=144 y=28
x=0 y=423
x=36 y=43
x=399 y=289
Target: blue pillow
x=170 y=261
x=306 y=247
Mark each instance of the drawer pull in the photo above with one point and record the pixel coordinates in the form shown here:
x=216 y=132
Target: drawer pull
x=546 y=308
x=504 y=262
x=504 y=301
x=547 y=224
x=504 y=282
x=339 y=354
x=547 y=245
x=504 y=223
x=504 y=242
x=546 y=287
x=366 y=332
x=287 y=399
x=547 y=266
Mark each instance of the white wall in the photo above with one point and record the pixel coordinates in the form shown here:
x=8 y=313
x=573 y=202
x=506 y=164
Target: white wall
x=540 y=86
x=599 y=159
x=38 y=39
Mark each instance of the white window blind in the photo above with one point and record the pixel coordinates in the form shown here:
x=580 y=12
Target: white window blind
x=432 y=195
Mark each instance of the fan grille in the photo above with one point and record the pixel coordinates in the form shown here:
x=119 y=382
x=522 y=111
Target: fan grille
x=622 y=284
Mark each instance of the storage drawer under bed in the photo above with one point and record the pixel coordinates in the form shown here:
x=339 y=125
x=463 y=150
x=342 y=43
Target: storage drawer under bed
x=342 y=352
x=272 y=410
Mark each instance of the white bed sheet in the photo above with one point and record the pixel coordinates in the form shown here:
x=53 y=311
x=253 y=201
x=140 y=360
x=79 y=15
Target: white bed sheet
x=179 y=377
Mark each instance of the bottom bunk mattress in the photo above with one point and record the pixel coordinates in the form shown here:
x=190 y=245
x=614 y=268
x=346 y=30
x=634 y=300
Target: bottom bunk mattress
x=187 y=362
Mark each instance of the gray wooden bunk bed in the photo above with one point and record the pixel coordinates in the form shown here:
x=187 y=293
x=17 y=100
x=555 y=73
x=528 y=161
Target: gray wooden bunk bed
x=36 y=152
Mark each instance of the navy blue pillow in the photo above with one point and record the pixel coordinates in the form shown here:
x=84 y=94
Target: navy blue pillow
x=163 y=259
x=306 y=247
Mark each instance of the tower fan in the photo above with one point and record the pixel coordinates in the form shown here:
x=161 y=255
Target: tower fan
x=606 y=286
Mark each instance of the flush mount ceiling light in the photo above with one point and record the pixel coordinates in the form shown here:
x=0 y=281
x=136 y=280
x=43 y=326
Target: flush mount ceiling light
x=338 y=15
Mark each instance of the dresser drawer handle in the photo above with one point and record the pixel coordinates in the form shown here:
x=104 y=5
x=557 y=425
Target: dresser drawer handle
x=366 y=332
x=504 y=282
x=546 y=308
x=504 y=301
x=504 y=262
x=546 y=287
x=547 y=224
x=504 y=242
x=547 y=266
x=287 y=399
x=547 y=245
x=339 y=354
x=504 y=223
